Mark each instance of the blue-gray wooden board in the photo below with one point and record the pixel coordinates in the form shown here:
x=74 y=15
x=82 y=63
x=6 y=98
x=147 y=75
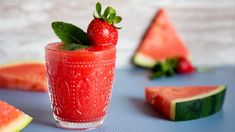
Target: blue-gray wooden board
x=128 y=110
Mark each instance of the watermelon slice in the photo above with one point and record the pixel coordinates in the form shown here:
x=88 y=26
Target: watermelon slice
x=160 y=42
x=187 y=102
x=12 y=119
x=23 y=75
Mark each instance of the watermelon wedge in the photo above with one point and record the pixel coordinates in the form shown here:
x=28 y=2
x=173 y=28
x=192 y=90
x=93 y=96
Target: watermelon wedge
x=12 y=119
x=187 y=102
x=23 y=75
x=160 y=42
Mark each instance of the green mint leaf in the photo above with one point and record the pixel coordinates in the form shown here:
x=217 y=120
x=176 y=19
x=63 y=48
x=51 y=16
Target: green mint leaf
x=157 y=71
x=169 y=67
x=74 y=46
x=157 y=67
x=169 y=72
x=69 y=33
x=166 y=68
x=117 y=19
x=156 y=75
x=98 y=9
x=174 y=62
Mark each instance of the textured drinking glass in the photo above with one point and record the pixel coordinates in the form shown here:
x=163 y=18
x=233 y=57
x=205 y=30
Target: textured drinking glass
x=80 y=85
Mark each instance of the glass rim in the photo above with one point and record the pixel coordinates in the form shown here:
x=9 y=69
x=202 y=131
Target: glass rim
x=47 y=47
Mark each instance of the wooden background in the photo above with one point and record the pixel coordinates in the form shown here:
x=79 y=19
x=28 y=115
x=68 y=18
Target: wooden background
x=206 y=26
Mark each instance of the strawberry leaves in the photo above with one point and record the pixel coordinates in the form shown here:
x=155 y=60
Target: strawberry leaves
x=117 y=19
x=109 y=15
x=98 y=9
x=72 y=36
x=170 y=67
x=106 y=12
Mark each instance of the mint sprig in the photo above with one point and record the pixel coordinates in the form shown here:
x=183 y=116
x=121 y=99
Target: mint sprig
x=167 y=68
x=72 y=36
x=109 y=15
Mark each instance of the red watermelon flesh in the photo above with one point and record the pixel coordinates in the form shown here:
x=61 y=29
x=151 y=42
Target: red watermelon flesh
x=29 y=76
x=12 y=119
x=165 y=98
x=160 y=42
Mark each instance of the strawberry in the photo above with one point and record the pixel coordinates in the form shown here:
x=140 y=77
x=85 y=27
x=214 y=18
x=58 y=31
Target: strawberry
x=102 y=31
x=184 y=66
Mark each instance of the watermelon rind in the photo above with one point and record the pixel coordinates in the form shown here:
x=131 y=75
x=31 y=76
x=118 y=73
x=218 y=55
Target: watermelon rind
x=17 y=62
x=18 y=124
x=144 y=61
x=198 y=106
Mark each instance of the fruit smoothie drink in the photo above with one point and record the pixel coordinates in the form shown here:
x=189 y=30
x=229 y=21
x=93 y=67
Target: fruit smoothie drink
x=80 y=70
x=80 y=83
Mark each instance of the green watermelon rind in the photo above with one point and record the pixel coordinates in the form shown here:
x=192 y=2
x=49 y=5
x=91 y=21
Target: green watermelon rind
x=17 y=62
x=198 y=106
x=144 y=61
x=18 y=124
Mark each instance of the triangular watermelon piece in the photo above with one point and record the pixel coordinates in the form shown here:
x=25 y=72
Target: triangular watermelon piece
x=160 y=42
x=186 y=102
x=12 y=119
x=23 y=75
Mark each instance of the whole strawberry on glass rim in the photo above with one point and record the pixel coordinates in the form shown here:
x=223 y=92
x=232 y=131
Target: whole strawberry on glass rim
x=102 y=30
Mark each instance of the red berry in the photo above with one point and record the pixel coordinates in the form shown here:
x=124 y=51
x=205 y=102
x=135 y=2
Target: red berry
x=184 y=66
x=101 y=33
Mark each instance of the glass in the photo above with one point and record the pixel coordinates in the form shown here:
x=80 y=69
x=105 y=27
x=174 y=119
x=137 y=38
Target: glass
x=80 y=84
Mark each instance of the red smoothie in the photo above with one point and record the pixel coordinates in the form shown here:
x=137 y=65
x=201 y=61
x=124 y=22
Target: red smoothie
x=80 y=82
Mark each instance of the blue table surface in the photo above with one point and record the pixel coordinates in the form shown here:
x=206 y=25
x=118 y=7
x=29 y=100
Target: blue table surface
x=128 y=110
